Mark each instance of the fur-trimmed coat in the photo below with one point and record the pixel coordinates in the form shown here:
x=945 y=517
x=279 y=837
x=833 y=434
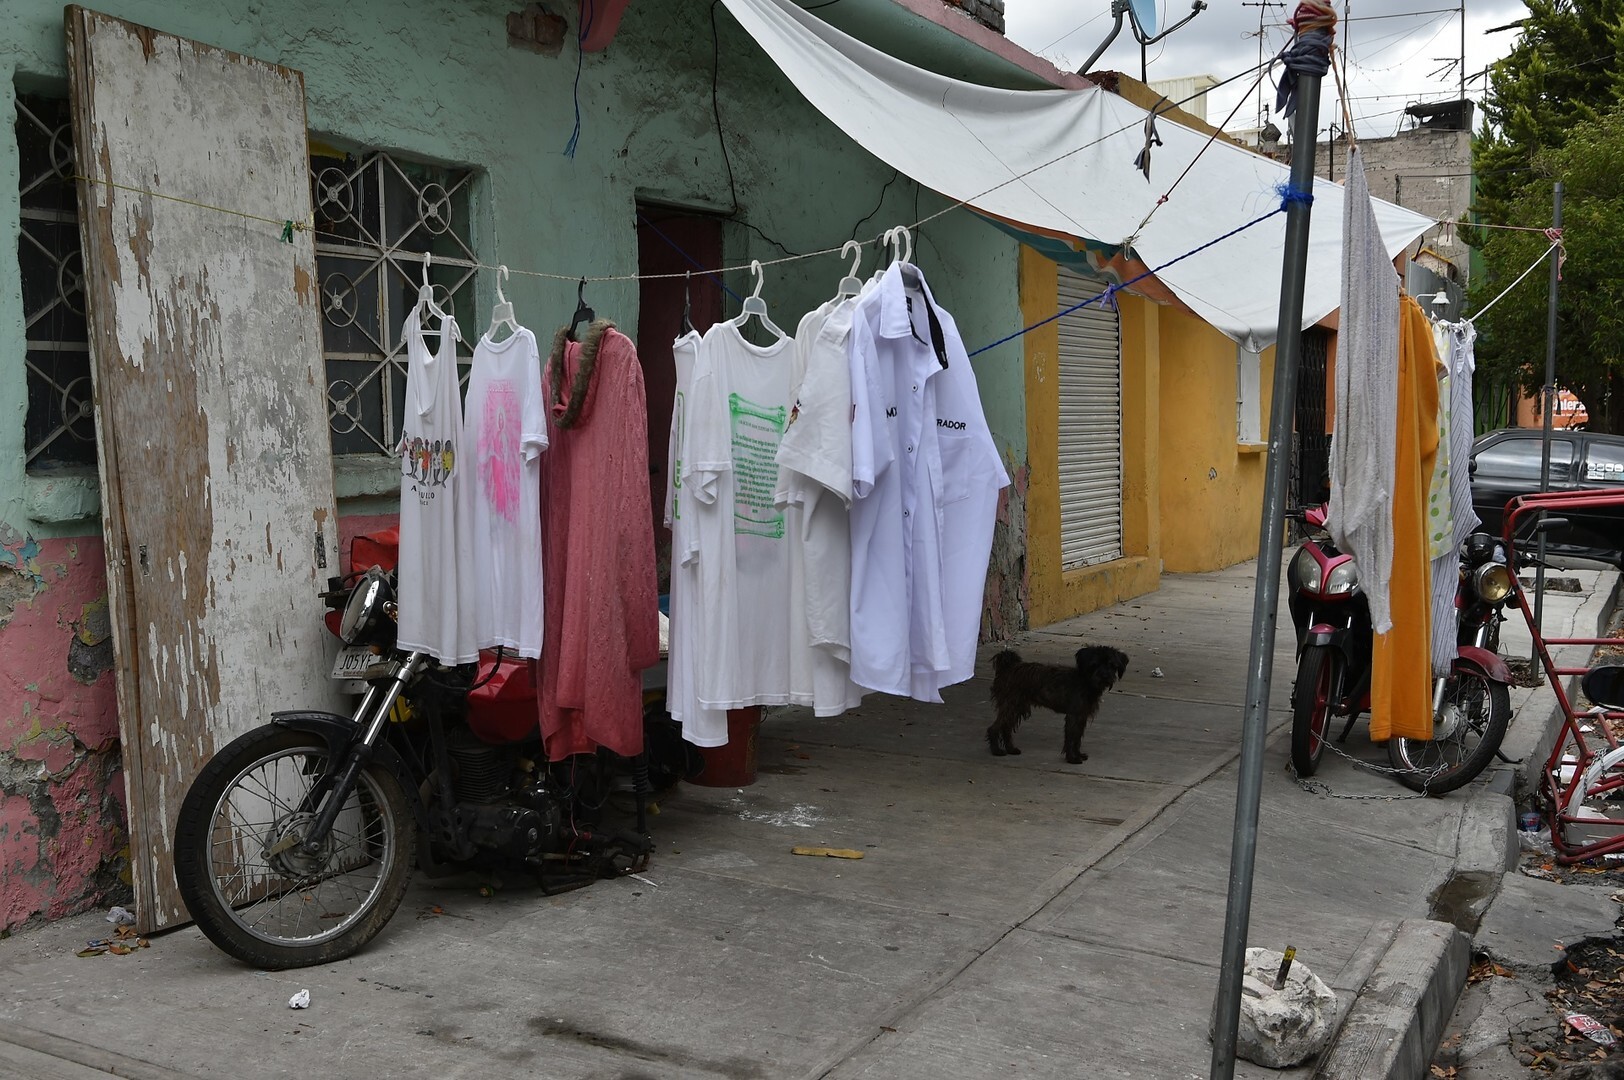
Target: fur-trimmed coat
x=602 y=607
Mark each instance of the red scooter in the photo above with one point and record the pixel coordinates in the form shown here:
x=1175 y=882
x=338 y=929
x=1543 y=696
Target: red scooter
x=1471 y=707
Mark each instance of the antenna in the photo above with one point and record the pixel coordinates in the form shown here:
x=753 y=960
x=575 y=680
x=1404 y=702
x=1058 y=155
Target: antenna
x=1142 y=14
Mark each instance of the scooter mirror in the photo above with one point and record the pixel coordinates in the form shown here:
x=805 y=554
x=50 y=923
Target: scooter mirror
x=1604 y=685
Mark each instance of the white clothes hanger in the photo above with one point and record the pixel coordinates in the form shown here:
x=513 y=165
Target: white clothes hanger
x=851 y=284
x=755 y=305
x=502 y=311
x=425 y=300
x=901 y=241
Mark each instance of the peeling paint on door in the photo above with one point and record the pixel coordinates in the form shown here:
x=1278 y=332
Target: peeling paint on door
x=211 y=422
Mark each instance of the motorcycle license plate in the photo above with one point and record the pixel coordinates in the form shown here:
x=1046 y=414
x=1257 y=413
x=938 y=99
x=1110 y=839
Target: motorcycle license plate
x=352 y=662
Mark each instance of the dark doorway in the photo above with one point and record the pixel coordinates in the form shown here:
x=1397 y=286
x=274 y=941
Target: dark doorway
x=671 y=242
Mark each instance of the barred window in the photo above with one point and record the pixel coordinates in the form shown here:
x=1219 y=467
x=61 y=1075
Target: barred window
x=60 y=425
x=376 y=214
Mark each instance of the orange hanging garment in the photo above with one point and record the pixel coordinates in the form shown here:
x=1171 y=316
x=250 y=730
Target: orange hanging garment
x=1401 y=673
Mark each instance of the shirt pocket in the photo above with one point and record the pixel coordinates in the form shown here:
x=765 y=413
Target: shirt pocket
x=959 y=454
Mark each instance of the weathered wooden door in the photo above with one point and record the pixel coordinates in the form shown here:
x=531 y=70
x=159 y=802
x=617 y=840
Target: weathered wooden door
x=216 y=471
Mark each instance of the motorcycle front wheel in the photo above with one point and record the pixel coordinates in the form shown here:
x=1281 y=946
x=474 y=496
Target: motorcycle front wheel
x=1318 y=672
x=244 y=875
x=1467 y=731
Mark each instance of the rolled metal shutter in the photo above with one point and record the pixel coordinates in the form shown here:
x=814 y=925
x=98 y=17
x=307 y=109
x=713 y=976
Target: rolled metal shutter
x=1090 y=427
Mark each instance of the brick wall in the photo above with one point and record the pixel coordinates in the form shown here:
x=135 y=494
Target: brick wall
x=986 y=12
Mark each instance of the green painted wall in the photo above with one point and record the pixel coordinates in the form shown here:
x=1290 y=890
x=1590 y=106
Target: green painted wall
x=441 y=84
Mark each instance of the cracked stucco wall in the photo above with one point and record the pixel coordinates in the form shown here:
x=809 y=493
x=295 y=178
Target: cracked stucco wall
x=62 y=831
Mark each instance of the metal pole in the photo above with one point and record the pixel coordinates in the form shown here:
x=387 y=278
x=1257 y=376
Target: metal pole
x=1254 y=724
x=1549 y=395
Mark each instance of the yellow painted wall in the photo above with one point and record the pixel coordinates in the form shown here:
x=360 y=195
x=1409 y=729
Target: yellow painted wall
x=1211 y=488
x=1058 y=594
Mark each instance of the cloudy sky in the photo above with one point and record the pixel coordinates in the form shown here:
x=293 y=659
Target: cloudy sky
x=1398 y=52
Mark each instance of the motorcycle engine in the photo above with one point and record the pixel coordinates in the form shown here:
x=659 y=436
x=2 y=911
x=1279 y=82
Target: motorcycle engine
x=530 y=821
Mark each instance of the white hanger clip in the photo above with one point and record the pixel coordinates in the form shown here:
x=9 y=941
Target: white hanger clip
x=755 y=305
x=425 y=294
x=851 y=285
x=502 y=311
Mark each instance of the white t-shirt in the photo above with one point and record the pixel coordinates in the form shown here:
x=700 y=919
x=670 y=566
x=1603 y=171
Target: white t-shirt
x=505 y=430
x=700 y=726
x=926 y=476
x=736 y=417
x=436 y=610
x=814 y=488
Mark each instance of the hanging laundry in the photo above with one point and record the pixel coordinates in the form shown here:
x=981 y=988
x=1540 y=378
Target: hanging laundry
x=436 y=592
x=925 y=481
x=1450 y=514
x=505 y=430
x=1401 y=666
x=736 y=416
x=814 y=491
x=1360 y=518
x=602 y=609
x=700 y=726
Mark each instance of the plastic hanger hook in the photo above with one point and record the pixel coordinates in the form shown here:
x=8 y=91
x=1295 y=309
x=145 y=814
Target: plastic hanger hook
x=851 y=284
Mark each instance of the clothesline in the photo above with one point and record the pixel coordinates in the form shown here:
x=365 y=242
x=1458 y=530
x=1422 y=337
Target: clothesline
x=1555 y=245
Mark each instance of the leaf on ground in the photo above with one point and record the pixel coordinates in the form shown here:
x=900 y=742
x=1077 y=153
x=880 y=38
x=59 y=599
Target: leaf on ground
x=90 y=952
x=120 y=950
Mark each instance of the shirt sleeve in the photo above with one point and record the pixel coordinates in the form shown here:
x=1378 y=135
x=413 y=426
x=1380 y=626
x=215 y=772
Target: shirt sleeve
x=871 y=449
x=708 y=452
x=534 y=439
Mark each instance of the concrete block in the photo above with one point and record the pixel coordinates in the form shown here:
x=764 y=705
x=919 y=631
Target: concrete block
x=1398 y=1018
x=1488 y=834
x=1285 y=1027
x=1532 y=920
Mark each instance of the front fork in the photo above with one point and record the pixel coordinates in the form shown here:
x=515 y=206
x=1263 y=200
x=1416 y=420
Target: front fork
x=374 y=711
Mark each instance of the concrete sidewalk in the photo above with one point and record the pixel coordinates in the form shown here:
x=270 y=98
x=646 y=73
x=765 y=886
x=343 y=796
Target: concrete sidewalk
x=1012 y=917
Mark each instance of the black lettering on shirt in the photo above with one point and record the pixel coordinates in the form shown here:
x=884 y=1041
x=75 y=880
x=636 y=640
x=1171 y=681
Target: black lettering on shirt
x=951 y=425
x=891 y=412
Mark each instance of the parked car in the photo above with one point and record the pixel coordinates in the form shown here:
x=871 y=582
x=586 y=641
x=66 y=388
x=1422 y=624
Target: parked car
x=1506 y=463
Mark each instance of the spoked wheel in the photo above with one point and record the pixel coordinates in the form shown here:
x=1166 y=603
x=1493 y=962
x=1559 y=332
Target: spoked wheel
x=1466 y=731
x=1318 y=673
x=245 y=876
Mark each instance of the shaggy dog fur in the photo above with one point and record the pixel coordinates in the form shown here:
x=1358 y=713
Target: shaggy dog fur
x=1018 y=686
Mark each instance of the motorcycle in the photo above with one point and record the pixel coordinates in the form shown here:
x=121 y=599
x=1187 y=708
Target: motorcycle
x=1471 y=706
x=296 y=841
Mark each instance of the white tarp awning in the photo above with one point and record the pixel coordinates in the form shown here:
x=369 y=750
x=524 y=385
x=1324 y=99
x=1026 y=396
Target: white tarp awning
x=965 y=140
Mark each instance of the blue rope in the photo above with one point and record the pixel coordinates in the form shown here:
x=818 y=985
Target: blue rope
x=717 y=274
x=580 y=61
x=1109 y=295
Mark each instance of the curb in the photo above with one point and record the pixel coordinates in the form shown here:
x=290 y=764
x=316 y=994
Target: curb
x=1395 y=1024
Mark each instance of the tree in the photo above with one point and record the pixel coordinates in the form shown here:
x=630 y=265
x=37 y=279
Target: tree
x=1553 y=112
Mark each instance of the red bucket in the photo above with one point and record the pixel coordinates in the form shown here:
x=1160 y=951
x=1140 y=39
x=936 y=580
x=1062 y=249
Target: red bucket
x=733 y=765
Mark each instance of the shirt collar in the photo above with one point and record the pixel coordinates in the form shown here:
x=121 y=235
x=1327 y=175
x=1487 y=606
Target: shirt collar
x=896 y=319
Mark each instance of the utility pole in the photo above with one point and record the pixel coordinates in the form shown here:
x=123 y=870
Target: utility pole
x=1462 y=55
x=1549 y=394
x=1263 y=7
x=1266 y=595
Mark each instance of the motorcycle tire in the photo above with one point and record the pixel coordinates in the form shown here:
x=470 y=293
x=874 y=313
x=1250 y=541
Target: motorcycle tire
x=1317 y=675
x=286 y=909
x=1439 y=766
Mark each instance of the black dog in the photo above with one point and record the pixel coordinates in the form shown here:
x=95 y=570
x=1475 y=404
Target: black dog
x=1019 y=685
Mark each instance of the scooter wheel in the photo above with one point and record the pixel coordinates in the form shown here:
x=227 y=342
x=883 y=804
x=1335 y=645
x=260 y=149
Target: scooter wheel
x=1470 y=724
x=248 y=883
x=1317 y=675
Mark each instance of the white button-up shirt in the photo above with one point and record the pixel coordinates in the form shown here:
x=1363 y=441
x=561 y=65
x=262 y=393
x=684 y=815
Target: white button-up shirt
x=925 y=480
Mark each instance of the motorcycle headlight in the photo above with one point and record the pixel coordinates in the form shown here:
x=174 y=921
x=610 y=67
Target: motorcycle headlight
x=364 y=607
x=1343 y=578
x=1303 y=575
x=1492 y=582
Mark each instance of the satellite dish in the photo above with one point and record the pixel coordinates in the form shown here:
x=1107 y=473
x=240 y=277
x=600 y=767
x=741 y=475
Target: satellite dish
x=1144 y=14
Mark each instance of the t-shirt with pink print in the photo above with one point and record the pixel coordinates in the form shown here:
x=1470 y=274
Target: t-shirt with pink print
x=506 y=427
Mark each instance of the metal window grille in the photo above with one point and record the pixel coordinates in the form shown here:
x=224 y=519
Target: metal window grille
x=375 y=217
x=1311 y=464
x=59 y=430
